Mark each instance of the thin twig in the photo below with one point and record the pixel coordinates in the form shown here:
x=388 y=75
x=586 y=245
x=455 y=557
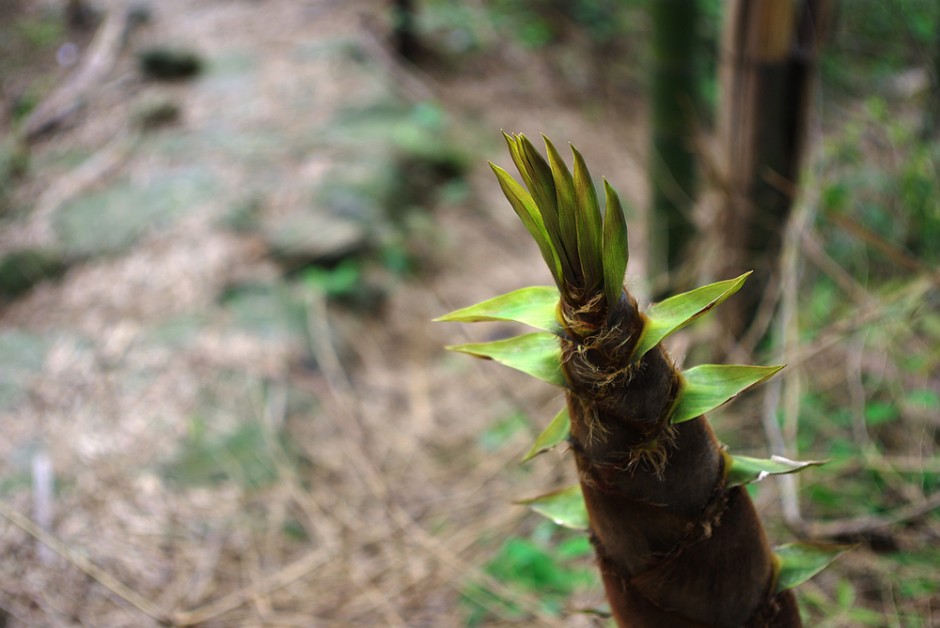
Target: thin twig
x=900 y=464
x=94 y=68
x=90 y=172
x=853 y=379
x=274 y=413
x=98 y=574
x=867 y=523
x=788 y=389
x=876 y=310
x=816 y=254
x=296 y=570
x=893 y=252
x=353 y=441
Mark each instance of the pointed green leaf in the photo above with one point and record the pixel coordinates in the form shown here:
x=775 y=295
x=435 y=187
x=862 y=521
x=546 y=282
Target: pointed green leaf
x=601 y=611
x=531 y=173
x=589 y=224
x=537 y=175
x=615 y=249
x=538 y=355
x=798 y=562
x=541 y=184
x=565 y=507
x=535 y=172
x=555 y=434
x=676 y=312
x=744 y=469
x=535 y=306
x=708 y=386
x=567 y=206
x=525 y=208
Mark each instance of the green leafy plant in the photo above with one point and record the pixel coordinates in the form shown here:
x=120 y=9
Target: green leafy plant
x=547 y=562
x=677 y=538
x=541 y=23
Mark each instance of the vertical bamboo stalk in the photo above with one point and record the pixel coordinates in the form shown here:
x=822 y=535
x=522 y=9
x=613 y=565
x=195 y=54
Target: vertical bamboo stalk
x=404 y=29
x=931 y=122
x=674 y=100
x=768 y=58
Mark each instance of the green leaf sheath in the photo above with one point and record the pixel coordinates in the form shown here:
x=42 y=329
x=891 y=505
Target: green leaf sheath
x=538 y=178
x=536 y=306
x=709 y=386
x=565 y=507
x=567 y=209
x=615 y=252
x=798 y=562
x=535 y=354
x=677 y=538
x=528 y=213
x=555 y=434
x=740 y=470
x=674 y=313
x=588 y=220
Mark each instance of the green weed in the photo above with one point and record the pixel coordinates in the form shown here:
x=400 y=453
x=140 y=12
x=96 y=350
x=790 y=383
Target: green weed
x=551 y=563
x=246 y=456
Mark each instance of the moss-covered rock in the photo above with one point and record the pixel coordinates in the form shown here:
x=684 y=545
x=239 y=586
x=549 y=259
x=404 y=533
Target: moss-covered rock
x=306 y=238
x=110 y=220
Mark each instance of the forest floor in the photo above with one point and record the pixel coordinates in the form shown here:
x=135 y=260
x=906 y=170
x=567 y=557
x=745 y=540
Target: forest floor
x=232 y=408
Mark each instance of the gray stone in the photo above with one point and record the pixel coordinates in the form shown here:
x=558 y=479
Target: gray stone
x=306 y=238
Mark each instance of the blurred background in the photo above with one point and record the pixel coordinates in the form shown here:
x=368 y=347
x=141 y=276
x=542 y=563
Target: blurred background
x=226 y=225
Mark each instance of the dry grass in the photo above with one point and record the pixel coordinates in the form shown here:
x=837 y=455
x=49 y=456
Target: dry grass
x=389 y=508
x=379 y=506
